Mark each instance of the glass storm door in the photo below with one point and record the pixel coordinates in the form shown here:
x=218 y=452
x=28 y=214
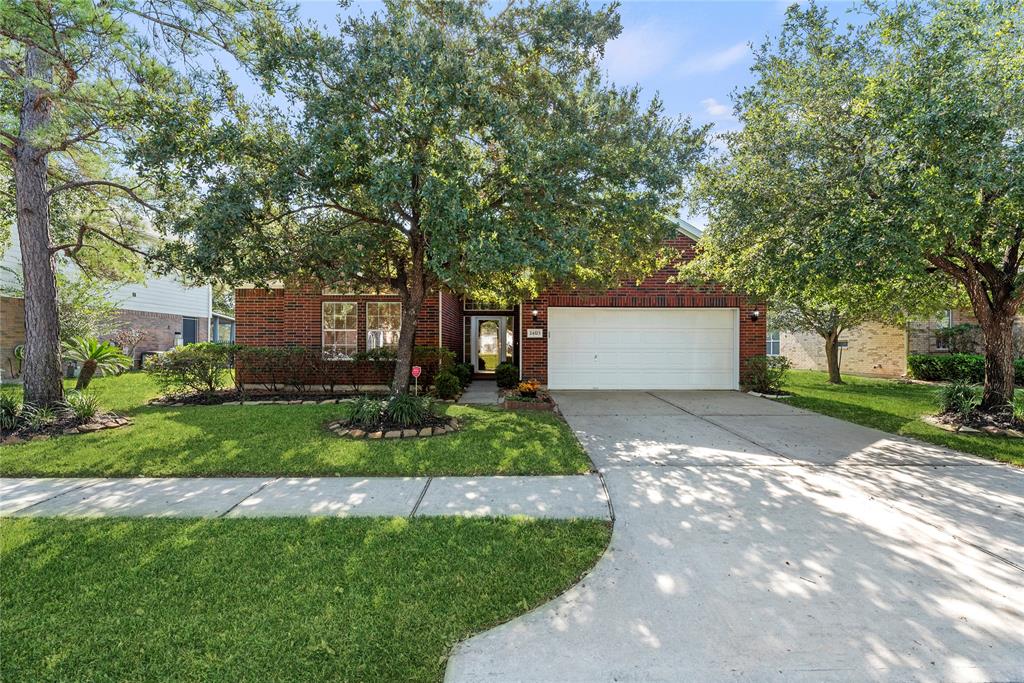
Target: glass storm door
x=492 y=342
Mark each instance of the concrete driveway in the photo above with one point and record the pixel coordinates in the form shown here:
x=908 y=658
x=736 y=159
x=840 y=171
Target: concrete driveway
x=754 y=541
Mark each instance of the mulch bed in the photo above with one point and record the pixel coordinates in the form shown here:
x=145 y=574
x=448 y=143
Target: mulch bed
x=434 y=425
x=66 y=425
x=1000 y=424
x=511 y=399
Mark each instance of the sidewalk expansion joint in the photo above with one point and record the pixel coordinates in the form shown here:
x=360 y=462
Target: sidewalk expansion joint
x=423 y=493
x=248 y=496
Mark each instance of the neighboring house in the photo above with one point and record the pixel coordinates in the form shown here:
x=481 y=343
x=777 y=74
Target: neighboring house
x=166 y=310
x=652 y=335
x=872 y=348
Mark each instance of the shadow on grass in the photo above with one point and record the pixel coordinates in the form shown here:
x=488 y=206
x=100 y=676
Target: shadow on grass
x=290 y=440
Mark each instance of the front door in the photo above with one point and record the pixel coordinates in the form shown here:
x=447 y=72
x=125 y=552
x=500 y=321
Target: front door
x=493 y=341
x=189 y=330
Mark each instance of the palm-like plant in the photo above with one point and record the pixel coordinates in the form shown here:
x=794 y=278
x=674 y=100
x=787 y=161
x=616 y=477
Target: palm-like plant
x=94 y=355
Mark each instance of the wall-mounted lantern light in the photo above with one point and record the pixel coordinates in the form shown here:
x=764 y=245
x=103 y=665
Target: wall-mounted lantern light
x=755 y=315
x=177 y=338
x=535 y=313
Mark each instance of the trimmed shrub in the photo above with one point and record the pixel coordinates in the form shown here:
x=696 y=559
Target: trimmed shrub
x=194 y=367
x=408 y=410
x=947 y=368
x=507 y=375
x=464 y=371
x=958 y=397
x=764 y=374
x=447 y=385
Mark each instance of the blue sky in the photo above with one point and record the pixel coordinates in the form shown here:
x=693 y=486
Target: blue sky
x=694 y=54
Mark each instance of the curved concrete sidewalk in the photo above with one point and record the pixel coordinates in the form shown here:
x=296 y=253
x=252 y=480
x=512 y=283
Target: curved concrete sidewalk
x=754 y=541
x=549 y=497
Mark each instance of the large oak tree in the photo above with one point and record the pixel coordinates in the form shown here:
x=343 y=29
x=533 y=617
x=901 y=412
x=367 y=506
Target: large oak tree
x=431 y=144
x=881 y=163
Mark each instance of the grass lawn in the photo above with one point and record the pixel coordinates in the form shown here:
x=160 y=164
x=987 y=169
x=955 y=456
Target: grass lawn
x=288 y=440
x=270 y=600
x=894 y=407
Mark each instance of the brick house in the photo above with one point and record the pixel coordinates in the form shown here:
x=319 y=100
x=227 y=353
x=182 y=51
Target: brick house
x=651 y=335
x=166 y=310
x=873 y=349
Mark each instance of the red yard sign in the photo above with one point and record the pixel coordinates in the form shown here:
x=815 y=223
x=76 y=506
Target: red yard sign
x=416 y=370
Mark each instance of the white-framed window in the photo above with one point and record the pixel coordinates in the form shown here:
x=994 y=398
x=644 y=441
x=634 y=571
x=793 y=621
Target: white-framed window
x=340 y=334
x=945 y=322
x=383 y=323
x=771 y=343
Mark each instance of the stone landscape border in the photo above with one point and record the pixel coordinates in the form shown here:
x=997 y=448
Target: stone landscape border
x=97 y=424
x=934 y=421
x=343 y=430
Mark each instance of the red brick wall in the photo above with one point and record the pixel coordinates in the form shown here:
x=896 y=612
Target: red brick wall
x=292 y=317
x=654 y=292
x=159 y=329
x=451 y=323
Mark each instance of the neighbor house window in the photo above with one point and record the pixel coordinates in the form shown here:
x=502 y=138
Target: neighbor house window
x=941 y=340
x=340 y=329
x=383 y=323
x=771 y=343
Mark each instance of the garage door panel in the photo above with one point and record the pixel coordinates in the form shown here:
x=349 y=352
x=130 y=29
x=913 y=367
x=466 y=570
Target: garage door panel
x=591 y=348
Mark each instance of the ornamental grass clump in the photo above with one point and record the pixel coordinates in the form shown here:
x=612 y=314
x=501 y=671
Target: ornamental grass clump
x=959 y=398
x=366 y=412
x=408 y=410
x=80 y=405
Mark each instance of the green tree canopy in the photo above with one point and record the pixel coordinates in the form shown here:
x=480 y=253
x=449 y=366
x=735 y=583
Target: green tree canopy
x=431 y=144
x=788 y=203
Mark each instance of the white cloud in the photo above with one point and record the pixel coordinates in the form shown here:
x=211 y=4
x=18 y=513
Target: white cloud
x=638 y=52
x=716 y=61
x=715 y=108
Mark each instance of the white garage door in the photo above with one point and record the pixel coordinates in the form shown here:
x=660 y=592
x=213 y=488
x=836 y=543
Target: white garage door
x=643 y=348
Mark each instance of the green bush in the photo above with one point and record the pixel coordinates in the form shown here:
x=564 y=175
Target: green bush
x=958 y=397
x=408 y=410
x=507 y=375
x=1017 y=406
x=464 y=371
x=193 y=367
x=80 y=405
x=366 y=411
x=37 y=417
x=950 y=367
x=447 y=385
x=764 y=374
x=10 y=410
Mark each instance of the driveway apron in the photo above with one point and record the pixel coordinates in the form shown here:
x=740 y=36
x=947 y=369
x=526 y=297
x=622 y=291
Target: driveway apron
x=754 y=541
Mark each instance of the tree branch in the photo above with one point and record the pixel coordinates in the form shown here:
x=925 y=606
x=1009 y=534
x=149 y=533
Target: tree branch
x=74 y=184
x=83 y=230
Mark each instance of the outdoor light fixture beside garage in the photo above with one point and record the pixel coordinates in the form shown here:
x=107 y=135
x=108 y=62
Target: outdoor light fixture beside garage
x=755 y=315
x=534 y=313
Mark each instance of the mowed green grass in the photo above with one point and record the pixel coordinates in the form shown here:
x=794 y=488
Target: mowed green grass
x=270 y=600
x=894 y=407
x=289 y=440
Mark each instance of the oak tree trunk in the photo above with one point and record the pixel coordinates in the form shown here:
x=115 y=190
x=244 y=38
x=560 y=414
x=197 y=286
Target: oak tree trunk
x=999 y=374
x=42 y=365
x=413 y=288
x=832 y=356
